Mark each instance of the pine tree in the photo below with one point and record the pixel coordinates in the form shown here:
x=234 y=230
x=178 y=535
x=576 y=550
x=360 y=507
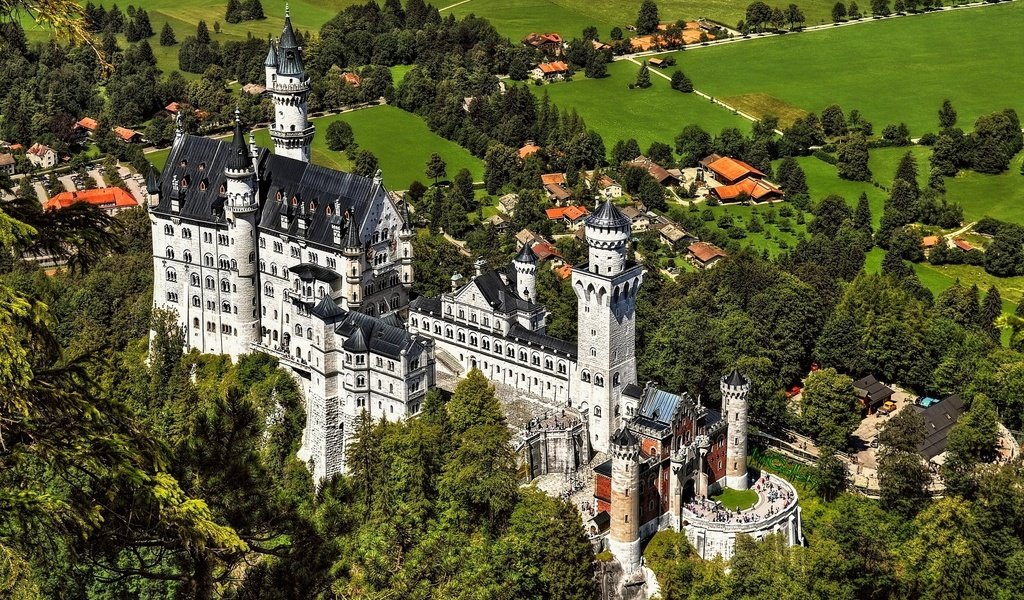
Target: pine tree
x=647 y=18
x=233 y=13
x=907 y=171
x=991 y=309
x=838 y=12
x=862 y=218
x=681 y=82
x=643 y=77
x=202 y=33
x=167 y=35
x=254 y=10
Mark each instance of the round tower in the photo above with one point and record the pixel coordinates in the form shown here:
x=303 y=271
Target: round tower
x=270 y=63
x=608 y=232
x=735 y=388
x=240 y=205
x=405 y=238
x=288 y=84
x=352 y=251
x=624 y=532
x=525 y=264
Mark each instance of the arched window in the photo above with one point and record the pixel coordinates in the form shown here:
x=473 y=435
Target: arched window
x=225 y=307
x=485 y=344
x=497 y=348
x=535 y=359
x=360 y=381
x=210 y=283
x=472 y=340
x=593 y=351
x=263 y=266
x=268 y=290
x=172 y=296
x=187 y=256
x=585 y=376
x=522 y=355
x=195 y=301
x=168 y=230
x=597 y=413
x=195 y=323
x=561 y=368
x=194 y=279
x=172 y=275
x=208 y=260
x=309 y=333
x=298 y=330
x=225 y=285
x=599 y=380
x=615 y=379
x=169 y=253
x=549 y=364
x=186 y=233
x=462 y=336
x=448 y=332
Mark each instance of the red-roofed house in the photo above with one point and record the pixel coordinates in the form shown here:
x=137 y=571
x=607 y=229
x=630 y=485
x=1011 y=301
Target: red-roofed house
x=547 y=251
x=173 y=108
x=551 y=70
x=557 y=193
x=757 y=190
x=572 y=216
x=729 y=171
x=962 y=245
x=553 y=178
x=42 y=156
x=254 y=89
x=528 y=149
x=110 y=199
x=704 y=255
x=126 y=135
x=564 y=271
x=547 y=42
x=88 y=124
x=659 y=173
x=608 y=188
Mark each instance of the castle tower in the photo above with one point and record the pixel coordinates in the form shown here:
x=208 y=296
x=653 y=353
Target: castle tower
x=606 y=288
x=291 y=132
x=624 y=530
x=352 y=251
x=241 y=205
x=405 y=238
x=525 y=264
x=735 y=388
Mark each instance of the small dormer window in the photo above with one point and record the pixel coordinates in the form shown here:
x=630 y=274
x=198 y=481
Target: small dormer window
x=278 y=196
x=312 y=206
x=222 y=189
x=295 y=200
x=183 y=163
x=202 y=186
x=202 y=166
x=329 y=210
x=184 y=182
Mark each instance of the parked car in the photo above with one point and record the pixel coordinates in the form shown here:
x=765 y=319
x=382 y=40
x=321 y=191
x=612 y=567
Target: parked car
x=888 y=407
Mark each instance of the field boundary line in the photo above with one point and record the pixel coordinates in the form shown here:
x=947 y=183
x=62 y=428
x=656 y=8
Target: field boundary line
x=450 y=6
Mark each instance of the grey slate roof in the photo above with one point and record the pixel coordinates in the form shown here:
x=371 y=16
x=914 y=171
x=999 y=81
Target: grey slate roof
x=312 y=188
x=526 y=255
x=153 y=180
x=543 y=340
x=608 y=217
x=238 y=157
x=377 y=335
x=308 y=271
x=289 y=58
x=327 y=309
x=735 y=379
x=875 y=391
x=659 y=405
x=500 y=295
x=939 y=419
x=271 y=60
x=624 y=437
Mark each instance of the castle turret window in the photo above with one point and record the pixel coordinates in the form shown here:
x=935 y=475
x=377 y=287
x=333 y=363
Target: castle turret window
x=186 y=256
x=194 y=279
x=169 y=253
x=196 y=302
x=172 y=275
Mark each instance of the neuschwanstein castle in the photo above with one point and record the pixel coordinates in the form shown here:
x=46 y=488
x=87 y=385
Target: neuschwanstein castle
x=264 y=251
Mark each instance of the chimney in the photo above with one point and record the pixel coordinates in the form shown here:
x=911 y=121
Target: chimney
x=479 y=266
x=175 y=196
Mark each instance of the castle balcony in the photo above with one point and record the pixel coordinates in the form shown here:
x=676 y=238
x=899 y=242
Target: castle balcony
x=289 y=88
x=286 y=359
x=303 y=296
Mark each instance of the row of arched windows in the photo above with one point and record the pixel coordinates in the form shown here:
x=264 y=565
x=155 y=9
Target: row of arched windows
x=534 y=358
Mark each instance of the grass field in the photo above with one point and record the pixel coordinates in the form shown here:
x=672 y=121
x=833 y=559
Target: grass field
x=400 y=140
x=657 y=113
x=997 y=196
x=736 y=499
x=892 y=70
x=516 y=18
x=184 y=15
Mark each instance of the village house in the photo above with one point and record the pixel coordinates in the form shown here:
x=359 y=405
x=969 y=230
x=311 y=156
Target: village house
x=755 y=190
x=571 y=216
x=660 y=174
x=639 y=219
x=551 y=71
x=128 y=136
x=525 y=237
x=42 y=156
x=704 y=255
x=657 y=63
x=546 y=252
x=726 y=170
x=8 y=166
x=673 y=235
x=507 y=203
x=110 y=199
x=871 y=393
x=600 y=46
x=528 y=149
x=555 y=186
x=608 y=188
x=939 y=419
x=962 y=245
x=929 y=242
x=549 y=43
x=85 y=127
x=499 y=221
x=254 y=89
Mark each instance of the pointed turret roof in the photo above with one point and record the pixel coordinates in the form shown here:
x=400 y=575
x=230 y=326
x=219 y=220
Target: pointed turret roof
x=608 y=216
x=289 y=55
x=526 y=255
x=735 y=379
x=238 y=157
x=624 y=437
x=327 y=309
x=356 y=342
x=153 y=180
x=271 y=60
x=352 y=238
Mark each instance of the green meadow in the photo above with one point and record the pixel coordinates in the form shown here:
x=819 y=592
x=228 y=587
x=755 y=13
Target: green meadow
x=657 y=113
x=400 y=140
x=892 y=70
x=516 y=18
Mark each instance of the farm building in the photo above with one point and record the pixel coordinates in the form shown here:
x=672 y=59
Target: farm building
x=109 y=199
x=871 y=393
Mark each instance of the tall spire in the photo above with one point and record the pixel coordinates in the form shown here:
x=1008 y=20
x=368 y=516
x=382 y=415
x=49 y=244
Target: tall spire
x=238 y=159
